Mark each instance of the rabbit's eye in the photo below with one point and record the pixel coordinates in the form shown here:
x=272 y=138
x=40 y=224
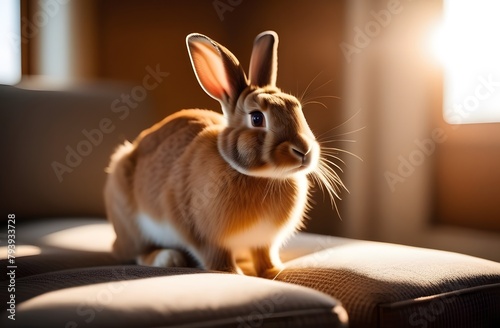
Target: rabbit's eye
x=258 y=119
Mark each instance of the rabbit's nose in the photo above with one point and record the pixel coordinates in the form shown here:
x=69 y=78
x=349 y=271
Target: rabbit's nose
x=301 y=149
x=302 y=155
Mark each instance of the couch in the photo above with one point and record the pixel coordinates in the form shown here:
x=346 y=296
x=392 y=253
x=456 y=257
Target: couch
x=55 y=146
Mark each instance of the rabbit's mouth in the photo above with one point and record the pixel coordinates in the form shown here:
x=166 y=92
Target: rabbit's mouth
x=306 y=166
x=294 y=158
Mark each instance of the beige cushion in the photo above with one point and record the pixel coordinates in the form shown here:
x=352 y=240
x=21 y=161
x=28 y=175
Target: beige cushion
x=136 y=296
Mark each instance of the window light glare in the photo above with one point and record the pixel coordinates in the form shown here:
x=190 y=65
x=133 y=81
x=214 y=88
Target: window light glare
x=466 y=44
x=10 y=45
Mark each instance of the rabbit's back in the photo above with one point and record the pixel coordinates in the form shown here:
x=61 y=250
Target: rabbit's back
x=161 y=152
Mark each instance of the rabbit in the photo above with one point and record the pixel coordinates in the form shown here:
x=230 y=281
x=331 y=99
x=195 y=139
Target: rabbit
x=207 y=186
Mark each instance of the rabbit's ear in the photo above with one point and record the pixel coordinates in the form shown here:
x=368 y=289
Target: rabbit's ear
x=264 y=60
x=217 y=69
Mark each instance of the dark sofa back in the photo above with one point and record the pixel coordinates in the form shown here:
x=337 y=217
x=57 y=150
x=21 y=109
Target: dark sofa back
x=55 y=146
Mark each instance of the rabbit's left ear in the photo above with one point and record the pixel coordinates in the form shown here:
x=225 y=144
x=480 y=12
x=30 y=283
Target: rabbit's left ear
x=264 y=61
x=217 y=69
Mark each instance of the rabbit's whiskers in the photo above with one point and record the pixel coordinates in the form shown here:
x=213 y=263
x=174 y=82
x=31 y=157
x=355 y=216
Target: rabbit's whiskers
x=331 y=152
x=340 y=134
x=314 y=101
x=325 y=175
x=329 y=181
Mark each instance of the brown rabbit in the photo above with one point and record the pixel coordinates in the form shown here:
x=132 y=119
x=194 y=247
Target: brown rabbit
x=211 y=185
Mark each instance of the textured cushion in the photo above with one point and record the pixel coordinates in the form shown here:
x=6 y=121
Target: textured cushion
x=136 y=296
x=387 y=285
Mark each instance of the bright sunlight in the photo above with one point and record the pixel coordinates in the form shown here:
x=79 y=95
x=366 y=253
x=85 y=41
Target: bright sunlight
x=467 y=43
x=10 y=45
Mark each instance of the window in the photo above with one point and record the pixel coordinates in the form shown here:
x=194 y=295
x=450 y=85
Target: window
x=468 y=46
x=10 y=41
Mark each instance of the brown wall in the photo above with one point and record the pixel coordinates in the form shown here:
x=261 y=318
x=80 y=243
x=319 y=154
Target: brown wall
x=468 y=177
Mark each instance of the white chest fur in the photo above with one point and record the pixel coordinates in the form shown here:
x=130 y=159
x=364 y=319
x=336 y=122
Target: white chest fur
x=263 y=233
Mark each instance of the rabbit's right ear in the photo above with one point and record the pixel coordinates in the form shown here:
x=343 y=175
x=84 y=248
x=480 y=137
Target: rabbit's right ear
x=217 y=69
x=264 y=60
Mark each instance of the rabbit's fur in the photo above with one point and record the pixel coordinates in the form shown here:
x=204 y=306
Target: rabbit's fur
x=210 y=184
